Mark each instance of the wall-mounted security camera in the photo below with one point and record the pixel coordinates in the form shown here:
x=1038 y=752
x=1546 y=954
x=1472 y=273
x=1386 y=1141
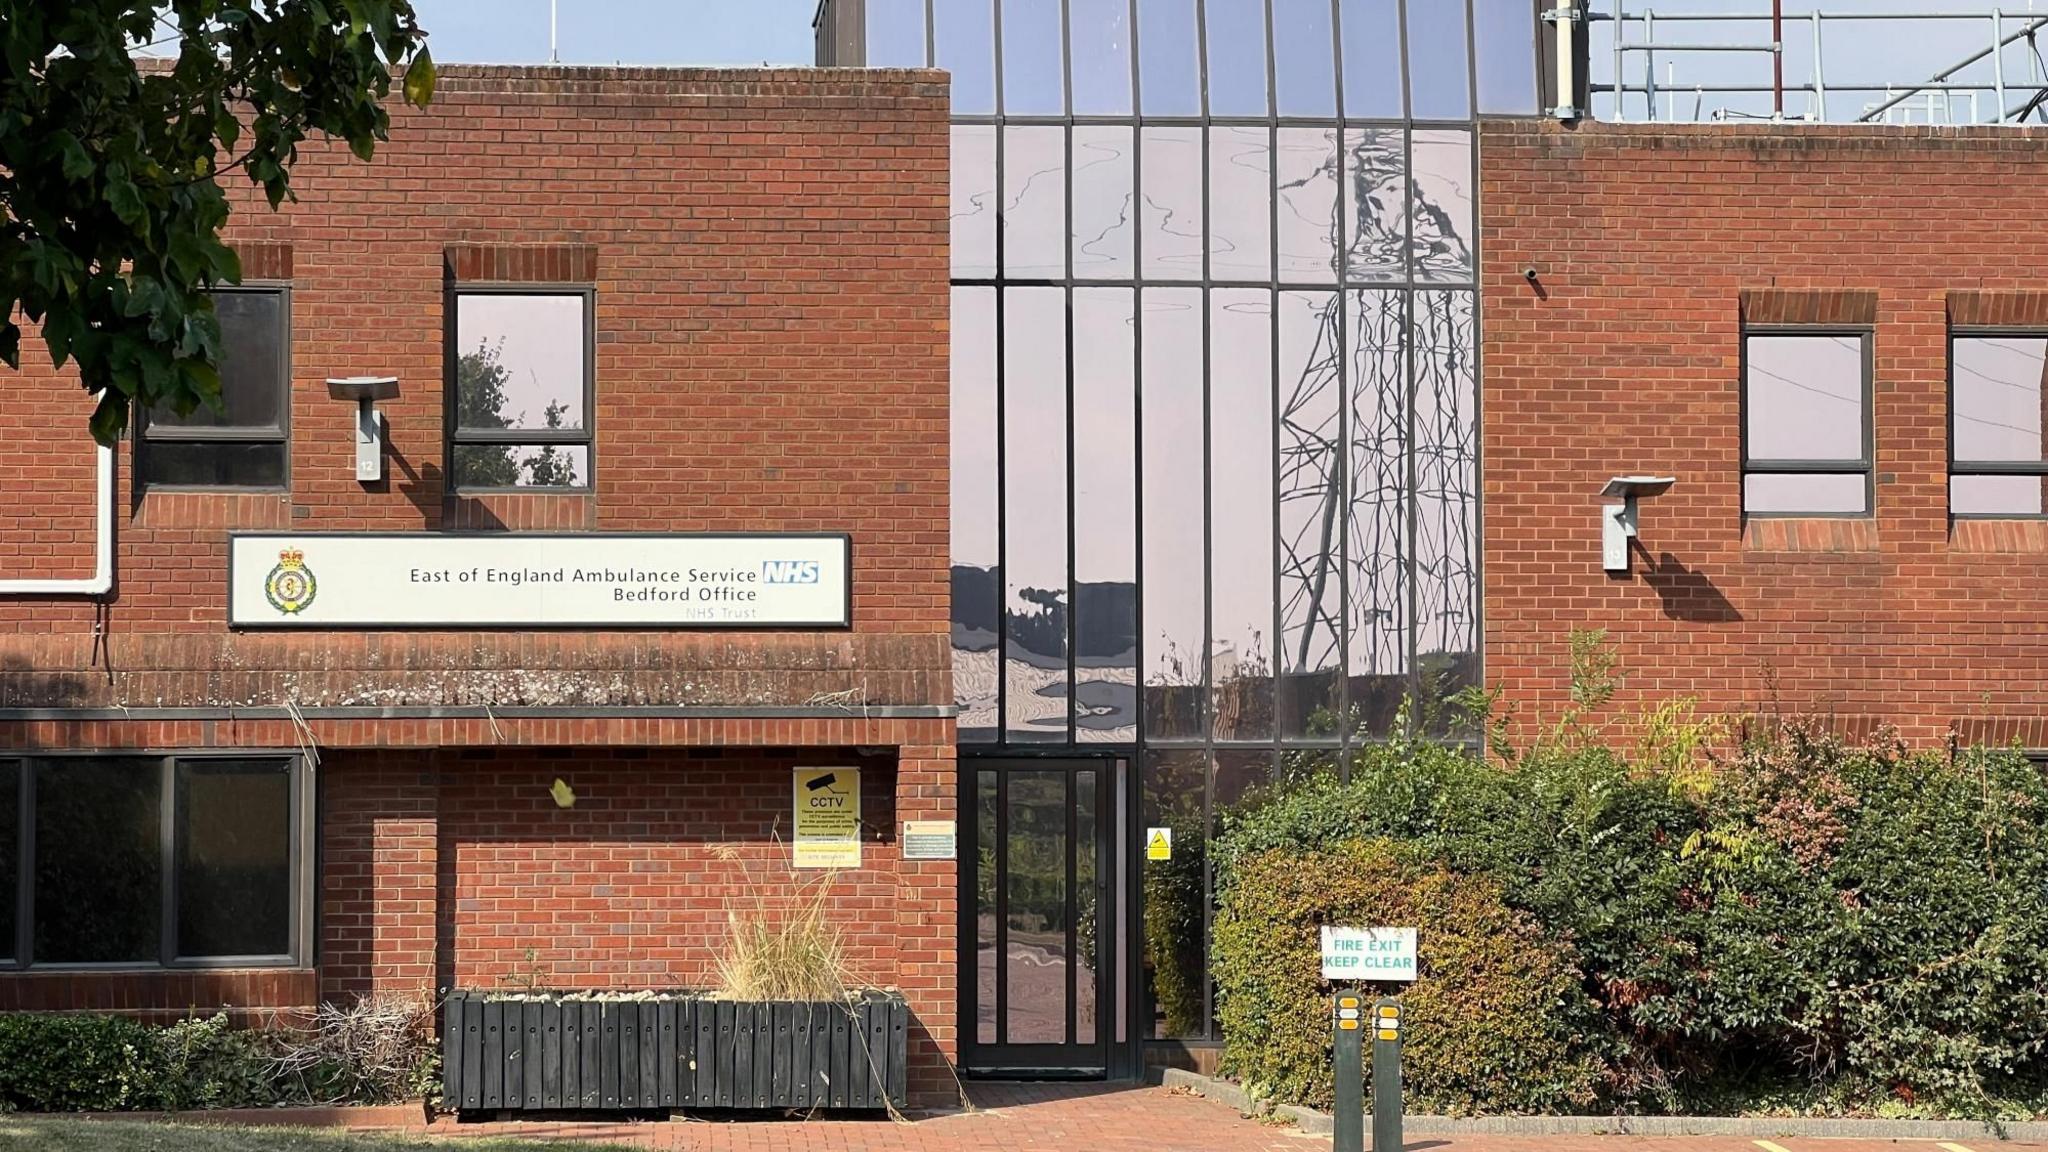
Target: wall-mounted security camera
x=1618 y=521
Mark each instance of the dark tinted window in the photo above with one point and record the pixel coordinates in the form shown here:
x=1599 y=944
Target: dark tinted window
x=10 y=851
x=241 y=441
x=234 y=880
x=98 y=861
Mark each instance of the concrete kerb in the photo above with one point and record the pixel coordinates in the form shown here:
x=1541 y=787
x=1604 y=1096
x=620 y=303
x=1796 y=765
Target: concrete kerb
x=1749 y=1127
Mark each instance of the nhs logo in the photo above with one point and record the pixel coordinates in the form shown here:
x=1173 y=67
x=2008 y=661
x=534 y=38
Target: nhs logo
x=789 y=571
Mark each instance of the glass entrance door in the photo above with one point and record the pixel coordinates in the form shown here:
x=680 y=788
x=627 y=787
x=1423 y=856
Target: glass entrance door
x=1036 y=938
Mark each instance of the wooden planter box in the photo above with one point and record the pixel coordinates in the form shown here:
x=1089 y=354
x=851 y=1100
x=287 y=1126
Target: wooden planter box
x=507 y=1053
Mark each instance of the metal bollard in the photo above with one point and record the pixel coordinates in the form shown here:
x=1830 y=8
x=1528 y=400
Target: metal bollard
x=1386 y=1076
x=1348 y=1019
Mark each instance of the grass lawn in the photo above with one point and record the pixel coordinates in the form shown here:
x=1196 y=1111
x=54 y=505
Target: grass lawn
x=20 y=1134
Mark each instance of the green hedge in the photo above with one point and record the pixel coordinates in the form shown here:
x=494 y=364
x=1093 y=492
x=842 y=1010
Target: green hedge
x=1482 y=1025
x=1864 y=925
x=76 y=1063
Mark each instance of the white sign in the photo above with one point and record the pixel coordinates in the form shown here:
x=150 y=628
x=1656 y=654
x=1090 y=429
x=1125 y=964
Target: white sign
x=1363 y=954
x=827 y=818
x=400 y=580
x=929 y=840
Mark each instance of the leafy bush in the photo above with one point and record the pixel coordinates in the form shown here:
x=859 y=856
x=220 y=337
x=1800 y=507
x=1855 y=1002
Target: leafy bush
x=1485 y=1032
x=1865 y=923
x=375 y=1051
x=74 y=1063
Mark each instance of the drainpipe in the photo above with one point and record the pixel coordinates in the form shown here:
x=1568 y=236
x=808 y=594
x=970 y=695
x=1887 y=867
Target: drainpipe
x=102 y=579
x=1565 y=20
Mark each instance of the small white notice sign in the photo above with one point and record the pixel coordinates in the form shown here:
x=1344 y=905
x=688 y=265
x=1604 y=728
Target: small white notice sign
x=929 y=840
x=1363 y=954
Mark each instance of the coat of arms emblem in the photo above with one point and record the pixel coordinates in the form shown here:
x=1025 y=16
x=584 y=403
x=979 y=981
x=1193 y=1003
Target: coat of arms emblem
x=290 y=586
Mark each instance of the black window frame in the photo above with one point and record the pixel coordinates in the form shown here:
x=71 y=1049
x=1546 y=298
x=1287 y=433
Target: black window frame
x=281 y=434
x=20 y=957
x=1866 y=466
x=1957 y=467
x=584 y=437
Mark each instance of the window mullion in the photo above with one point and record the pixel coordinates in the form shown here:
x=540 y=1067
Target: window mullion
x=167 y=830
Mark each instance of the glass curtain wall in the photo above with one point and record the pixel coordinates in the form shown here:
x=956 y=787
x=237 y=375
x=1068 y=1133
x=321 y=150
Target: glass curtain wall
x=1215 y=389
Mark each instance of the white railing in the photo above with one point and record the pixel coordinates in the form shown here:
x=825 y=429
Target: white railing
x=1945 y=67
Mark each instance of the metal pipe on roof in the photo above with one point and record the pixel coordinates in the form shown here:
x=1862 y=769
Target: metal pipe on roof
x=1778 y=58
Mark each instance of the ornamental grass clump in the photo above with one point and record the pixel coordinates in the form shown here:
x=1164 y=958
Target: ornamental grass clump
x=780 y=944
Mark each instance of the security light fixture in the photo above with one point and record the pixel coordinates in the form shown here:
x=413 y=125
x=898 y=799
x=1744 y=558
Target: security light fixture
x=1618 y=521
x=366 y=391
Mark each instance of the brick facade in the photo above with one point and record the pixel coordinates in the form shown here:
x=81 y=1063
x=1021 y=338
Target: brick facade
x=1649 y=243
x=768 y=254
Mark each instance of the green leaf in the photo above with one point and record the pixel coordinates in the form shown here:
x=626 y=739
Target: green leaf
x=228 y=127
x=110 y=418
x=126 y=201
x=77 y=164
x=10 y=344
x=419 y=79
x=364 y=146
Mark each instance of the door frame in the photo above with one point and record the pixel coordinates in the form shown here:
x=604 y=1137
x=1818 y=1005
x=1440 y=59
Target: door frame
x=1105 y=1057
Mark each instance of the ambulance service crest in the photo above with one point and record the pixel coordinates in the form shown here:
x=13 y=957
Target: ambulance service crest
x=290 y=586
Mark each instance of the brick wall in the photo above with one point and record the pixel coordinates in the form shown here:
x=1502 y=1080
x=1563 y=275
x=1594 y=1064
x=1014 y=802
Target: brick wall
x=768 y=250
x=1624 y=358
x=455 y=868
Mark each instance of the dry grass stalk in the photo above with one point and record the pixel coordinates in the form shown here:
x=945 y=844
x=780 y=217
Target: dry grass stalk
x=782 y=945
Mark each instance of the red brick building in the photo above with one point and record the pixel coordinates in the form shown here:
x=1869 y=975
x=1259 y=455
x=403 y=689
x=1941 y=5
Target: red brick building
x=753 y=265
x=1661 y=254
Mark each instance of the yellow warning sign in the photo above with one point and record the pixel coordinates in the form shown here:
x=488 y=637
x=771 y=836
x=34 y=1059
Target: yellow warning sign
x=1158 y=843
x=827 y=818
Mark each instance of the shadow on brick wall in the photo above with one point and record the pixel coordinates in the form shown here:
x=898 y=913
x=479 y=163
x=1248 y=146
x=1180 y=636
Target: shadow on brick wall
x=1686 y=593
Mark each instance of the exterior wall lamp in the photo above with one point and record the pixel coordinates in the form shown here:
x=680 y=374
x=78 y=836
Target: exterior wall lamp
x=1618 y=521
x=366 y=391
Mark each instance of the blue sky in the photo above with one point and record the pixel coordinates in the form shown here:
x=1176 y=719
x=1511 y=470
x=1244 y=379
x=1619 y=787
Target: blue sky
x=721 y=32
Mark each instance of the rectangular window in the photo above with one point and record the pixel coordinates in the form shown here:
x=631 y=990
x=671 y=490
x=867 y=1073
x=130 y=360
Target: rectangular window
x=520 y=388
x=152 y=861
x=1998 y=459
x=242 y=443
x=1806 y=423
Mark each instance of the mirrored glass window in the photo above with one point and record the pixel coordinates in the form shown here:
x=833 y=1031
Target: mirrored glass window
x=1169 y=59
x=964 y=36
x=1104 y=200
x=1307 y=185
x=1374 y=88
x=1311 y=491
x=1442 y=213
x=976 y=493
x=895 y=33
x=1446 y=424
x=1240 y=204
x=1304 y=58
x=1375 y=204
x=1806 y=402
x=1034 y=202
x=1035 y=604
x=1237 y=57
x=1504 y=34
x=1175 y=543
x=1170 y=220
x=1105 y=516
x=1034 y=59
x=1376 y=526
x=1241 y=512
x=1439 y=86
x=1998 y=387
x=973 y=205
x=1099 y=54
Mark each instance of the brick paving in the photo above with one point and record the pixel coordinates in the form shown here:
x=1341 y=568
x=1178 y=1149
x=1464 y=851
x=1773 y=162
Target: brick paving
x=1119 y=1118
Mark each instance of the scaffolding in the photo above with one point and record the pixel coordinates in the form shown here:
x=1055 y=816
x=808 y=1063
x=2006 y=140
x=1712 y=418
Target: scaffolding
x=2003 y=81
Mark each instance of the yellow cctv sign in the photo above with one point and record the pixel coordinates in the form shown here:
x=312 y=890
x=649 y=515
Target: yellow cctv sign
x=1158 y=843
x=827 y=818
